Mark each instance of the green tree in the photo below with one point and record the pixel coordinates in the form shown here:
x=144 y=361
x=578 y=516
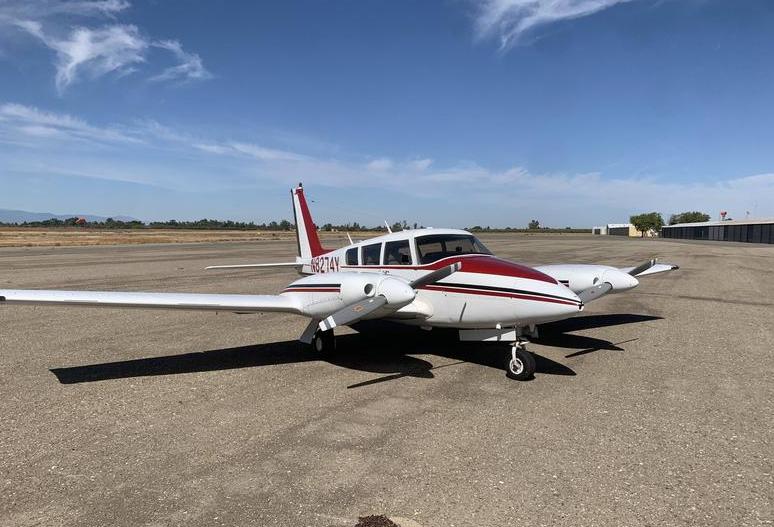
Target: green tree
x=689 y=217
x=647 y=221
x=534 y=224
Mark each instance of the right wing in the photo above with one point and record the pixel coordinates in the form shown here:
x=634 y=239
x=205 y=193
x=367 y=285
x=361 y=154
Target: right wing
x=184 y=301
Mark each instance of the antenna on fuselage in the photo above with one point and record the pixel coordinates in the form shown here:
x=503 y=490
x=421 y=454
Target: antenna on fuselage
x=388 y=226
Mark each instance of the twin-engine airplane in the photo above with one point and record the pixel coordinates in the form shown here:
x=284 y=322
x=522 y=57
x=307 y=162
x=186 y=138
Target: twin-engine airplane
x=422 y=277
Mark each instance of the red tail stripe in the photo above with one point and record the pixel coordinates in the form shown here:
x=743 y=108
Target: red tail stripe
x=311 y=231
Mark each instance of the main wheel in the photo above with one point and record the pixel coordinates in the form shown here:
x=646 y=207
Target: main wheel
x=519 y=364
x=324 y=342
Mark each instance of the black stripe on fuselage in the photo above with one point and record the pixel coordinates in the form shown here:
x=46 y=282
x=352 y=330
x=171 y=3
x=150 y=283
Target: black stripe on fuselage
x=504 y=290
x=306 y=286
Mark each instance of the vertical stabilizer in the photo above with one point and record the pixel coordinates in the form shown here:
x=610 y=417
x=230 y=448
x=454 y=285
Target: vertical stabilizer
x=306 y=233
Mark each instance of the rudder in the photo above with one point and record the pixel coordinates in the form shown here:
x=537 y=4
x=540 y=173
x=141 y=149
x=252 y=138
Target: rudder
x=309 y=244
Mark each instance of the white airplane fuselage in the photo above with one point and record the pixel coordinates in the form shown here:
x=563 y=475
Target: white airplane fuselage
x=486 y=293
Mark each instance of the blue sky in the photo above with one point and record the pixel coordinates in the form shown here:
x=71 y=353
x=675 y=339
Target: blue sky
x=449 y=113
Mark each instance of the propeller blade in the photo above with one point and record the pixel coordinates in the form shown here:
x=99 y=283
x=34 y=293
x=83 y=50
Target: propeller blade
x=643 y=267
x=594 y=292
x=436 y=275
x=352 y=313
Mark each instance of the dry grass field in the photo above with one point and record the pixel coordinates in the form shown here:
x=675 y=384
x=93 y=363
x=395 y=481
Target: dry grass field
x=65 y=237
x=70 y=237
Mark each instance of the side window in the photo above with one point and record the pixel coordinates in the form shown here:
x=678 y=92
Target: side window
x=429 y=251
x=371 y=254
x=397 y=253
x=352 y=256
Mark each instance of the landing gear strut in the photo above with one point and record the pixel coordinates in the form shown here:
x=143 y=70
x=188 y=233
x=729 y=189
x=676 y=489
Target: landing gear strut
x=520 y=363
x=323 y=342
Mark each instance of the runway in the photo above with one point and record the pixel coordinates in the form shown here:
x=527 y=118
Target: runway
x=653 y=407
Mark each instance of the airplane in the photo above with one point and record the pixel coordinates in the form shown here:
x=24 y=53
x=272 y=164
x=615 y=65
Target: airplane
x=431 y=278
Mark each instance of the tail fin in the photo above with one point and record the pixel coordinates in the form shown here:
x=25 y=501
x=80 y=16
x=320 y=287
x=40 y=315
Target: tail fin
x=306 y=233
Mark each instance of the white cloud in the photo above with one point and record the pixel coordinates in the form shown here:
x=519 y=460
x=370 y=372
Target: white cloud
x=509 y=20
x=39 y=9
x=380 y=164
x=421 y=164
x=118 y=49
x=95 y=52
x=212 y=149
x=190 y=65
x=31 y=121
x=265 y=154
x=144 y=151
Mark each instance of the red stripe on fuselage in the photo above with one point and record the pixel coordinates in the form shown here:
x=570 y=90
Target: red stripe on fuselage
x=498 y=293
x=475 y=263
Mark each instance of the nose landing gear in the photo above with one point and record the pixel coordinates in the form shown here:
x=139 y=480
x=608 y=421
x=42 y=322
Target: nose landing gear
x=520 y=363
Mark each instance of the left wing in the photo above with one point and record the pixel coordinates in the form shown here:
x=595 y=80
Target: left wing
x=184 y=301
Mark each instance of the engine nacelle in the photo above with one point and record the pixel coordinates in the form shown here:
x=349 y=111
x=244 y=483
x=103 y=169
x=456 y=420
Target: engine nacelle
x=356 y=287
x=579 y=277
x=325 y=293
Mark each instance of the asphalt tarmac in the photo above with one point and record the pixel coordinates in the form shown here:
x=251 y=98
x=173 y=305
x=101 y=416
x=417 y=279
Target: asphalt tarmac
x=653 y=407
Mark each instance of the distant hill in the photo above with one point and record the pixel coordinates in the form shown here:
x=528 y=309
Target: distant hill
x=20 y=216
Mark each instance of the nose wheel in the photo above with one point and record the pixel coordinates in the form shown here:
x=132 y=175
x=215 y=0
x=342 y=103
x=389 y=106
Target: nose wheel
x=520 y=363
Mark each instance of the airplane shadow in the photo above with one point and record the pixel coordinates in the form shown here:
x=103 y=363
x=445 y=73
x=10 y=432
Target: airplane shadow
x=558 y=334
x=368 y=352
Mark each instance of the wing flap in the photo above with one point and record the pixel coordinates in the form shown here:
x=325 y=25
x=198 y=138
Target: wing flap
x=183 y=301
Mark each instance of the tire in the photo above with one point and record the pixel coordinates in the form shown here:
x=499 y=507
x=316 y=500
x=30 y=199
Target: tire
x=524 y=367
x=323 y=342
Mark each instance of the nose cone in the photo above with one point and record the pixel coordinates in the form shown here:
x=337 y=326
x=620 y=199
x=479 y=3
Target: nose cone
x=619 y=280
x=550 y=302
x=396 y=291
x=570 y=302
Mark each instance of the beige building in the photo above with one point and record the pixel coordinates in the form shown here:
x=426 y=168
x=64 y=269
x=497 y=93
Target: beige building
x=622 y=229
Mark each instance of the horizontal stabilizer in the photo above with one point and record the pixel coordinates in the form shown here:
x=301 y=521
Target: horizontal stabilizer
x=255 y=266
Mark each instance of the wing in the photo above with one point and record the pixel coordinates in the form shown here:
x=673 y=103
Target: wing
x=185 y=301
x=653 y=269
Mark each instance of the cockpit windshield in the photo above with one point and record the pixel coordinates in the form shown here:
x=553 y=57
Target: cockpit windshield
x=436 y=246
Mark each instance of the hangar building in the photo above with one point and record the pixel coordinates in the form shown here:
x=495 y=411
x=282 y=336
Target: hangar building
x=750 y=231
x=616 y=229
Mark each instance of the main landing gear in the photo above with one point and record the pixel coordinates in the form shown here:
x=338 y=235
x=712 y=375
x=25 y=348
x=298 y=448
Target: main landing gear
x=323 y=342
x=520 y=363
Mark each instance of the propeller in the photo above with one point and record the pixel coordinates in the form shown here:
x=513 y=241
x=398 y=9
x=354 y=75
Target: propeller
x=594 y=292
x=391 y=290
x=435 y=276
x=352 y=312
